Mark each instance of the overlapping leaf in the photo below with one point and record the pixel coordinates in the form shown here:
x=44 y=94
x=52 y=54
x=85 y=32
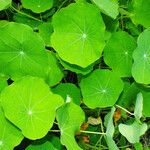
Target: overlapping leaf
x=31 y=106
x=68 y=90
x=108 y=7
x=70 y=116
x=78 y=37
x=37 y=6
x=118 y=53
x=10 y=136
x=101 y=88
x=22 y=51
x=4 y=4
x=141 y=14
x=141 y=56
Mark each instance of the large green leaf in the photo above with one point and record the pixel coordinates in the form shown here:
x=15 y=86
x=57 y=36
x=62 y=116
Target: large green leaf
x=108 y=7
x=3 y=83
x=4 y=4
x=101 y=88
x=141 y=14
x=10 y=136
x=141 y=55
x=78 y=34
x=133 y=132
x=70 y=116
x=37 y=6
x=22 y=51
x=118 y=53
x=68 y=90
x=31 y=106
x=55 y=71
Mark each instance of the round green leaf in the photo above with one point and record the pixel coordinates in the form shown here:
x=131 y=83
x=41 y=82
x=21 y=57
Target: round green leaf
x=141 y=56
x=101 y=88
x=31 y=106
x=4 y=4
x=22 y=51
x=10 y=136
x=78 y=34
x=55 y=71
x=118 y=53
x=70 y=117
x=37 y=6
x=108 y=7
x=141 y=13
x=68 y=90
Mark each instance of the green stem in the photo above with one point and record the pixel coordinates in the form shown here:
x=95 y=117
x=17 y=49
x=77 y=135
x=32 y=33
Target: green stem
x=124 y=110
x=31 y=17
x=89 y=132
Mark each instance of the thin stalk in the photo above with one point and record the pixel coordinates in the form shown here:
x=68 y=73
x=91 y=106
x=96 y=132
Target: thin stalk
x=24 y=14
x=124 y=110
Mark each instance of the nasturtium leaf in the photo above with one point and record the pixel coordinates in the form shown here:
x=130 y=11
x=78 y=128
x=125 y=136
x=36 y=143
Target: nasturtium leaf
x=37 y=6
x=110 y=130
x=3 y=84
x=31 y=106
x=108 y=7
x=45 y=31
x=70 y=116
x=55 y=141
x=41 y=146
x=68 y=89
x=77 y=69
x=133 y=132
x=78 y=37
x=141 y=56
x=141 y=13
x=101 y=88
x=10 y=136
x=4 y=4
x=146 y=102
x=118 y=53
x=55 y=71
x=22 y=51
x=19 y=18
x=138 y=106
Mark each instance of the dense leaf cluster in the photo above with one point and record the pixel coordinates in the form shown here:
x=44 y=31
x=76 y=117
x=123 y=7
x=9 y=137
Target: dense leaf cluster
x=74 y=74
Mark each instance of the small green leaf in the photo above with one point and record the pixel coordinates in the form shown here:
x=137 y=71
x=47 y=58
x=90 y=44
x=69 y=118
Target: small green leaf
x=4 y=4
x=78 y=37
x=133 y=132
x=141 y=56
x=68 y=89
x=37 y=6
x=108 y=7
x=101 y=88
x=138 y=106
x=10 y=136
x=118 y=53
x=31 y=106
x=70 y=116
x=22 y=51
